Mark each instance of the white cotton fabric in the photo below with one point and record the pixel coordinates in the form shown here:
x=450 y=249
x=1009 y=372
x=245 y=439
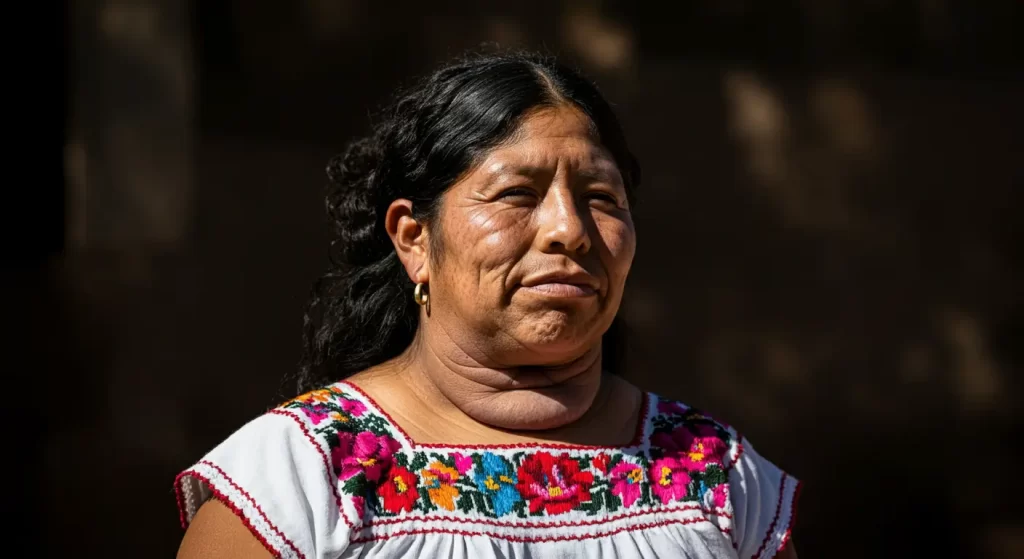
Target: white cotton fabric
x=273 y=472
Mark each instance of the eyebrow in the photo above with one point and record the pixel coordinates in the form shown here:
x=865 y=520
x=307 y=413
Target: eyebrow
x=501 y=169
x=605 y=170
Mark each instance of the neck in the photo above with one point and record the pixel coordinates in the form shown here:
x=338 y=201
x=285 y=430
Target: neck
x=469 y=389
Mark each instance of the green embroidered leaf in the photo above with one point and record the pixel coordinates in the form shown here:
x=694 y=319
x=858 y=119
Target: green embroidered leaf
x=616 y=458
x=596 y=502
x=402 y=460
x=478 y=461
x=478 y=500
x=517 y=458
x=714 y=476
x=424 y=503
x=520 y=509
x=419 y=462
x=465 y=503
x=584 y=462
x=488 y=509
x=645 y=493
x=355 y=485
x=612 y=501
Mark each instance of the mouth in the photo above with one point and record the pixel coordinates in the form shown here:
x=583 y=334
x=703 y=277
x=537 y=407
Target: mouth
x=556 y=289
x=562 y=285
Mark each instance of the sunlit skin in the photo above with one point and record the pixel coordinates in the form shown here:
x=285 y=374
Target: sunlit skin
x=537 y=243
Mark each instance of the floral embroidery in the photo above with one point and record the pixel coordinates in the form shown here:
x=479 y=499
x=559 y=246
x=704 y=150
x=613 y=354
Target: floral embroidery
x=498 y=481
x=626 y=482
x=671 y=480
x=364 y=453
x=697 y=447
x=354 y=408
x=398 y=491
x=717 y=497
x=554 y=484
x=439 y=480
x=685 y=462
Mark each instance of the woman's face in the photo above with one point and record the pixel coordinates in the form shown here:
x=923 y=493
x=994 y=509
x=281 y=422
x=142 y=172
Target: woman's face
x=538 y=241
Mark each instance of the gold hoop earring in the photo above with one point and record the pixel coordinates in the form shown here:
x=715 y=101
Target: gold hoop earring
x=421 y=297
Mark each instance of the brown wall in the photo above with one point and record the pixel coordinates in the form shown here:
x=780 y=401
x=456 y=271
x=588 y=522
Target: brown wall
x=829 y=240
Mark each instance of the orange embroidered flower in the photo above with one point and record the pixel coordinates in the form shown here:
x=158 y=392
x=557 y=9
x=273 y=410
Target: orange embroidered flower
x=439 y=480
x=321 y=396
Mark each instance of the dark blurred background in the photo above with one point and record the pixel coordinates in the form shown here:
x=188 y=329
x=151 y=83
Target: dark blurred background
x=829 y=253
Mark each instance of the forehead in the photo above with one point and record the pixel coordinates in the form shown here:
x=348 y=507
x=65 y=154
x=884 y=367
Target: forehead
x=547 y=135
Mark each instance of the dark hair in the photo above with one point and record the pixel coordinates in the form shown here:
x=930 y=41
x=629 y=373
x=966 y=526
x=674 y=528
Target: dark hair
x=361 y=311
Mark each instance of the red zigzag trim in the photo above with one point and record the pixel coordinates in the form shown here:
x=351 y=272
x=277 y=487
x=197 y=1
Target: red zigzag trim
x=525 y=539
x=775 y=520
x=238 y=511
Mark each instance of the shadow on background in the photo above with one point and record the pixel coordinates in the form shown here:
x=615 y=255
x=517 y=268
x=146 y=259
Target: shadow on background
x=829 y=253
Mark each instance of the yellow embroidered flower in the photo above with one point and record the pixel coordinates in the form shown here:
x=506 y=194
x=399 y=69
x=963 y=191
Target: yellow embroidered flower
x=439 y=479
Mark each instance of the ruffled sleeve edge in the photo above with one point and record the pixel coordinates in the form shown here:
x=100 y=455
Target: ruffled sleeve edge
x=779 y=532
x=206 y=480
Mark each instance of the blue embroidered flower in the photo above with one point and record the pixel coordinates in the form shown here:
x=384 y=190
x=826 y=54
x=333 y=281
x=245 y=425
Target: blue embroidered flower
x=498 y=480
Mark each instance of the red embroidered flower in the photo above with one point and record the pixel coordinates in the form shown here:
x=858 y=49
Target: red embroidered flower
x=601 y=463
x=554 y=484
x=398 y=490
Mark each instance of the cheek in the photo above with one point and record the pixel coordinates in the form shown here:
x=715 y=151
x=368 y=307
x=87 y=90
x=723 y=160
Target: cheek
x=619 y=240
x=487 y=245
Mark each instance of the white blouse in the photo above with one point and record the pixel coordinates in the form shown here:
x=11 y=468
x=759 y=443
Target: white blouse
x=330 y=475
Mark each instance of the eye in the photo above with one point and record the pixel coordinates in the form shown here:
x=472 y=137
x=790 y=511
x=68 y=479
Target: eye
x=603 y=197
x=516 y=194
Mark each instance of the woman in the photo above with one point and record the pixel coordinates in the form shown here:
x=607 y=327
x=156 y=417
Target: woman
x=483 y=240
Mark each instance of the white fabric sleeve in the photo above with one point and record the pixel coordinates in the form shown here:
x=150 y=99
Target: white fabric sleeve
x=764 y=503
x=278 y=480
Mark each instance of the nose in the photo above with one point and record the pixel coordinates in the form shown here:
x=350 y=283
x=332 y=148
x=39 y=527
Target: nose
x=561 y=225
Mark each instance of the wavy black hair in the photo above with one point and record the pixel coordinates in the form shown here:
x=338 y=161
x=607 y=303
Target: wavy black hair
x=361 y=312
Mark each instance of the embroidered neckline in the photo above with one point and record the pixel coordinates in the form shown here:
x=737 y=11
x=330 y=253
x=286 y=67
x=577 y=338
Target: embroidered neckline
x=677 y=465
x=637 y=441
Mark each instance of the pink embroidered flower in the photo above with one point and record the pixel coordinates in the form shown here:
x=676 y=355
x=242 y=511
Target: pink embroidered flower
x=316 y=413
x=462 y=463
x=694 y=450
x=553 y=484
x=626 y=479
x=670 y=407
x=719 y=495
x=364 y=452
x=360 y=504
x=355 y=408
x=669 y=479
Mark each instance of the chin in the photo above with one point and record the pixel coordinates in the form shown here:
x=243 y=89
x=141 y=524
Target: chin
x=558 y=335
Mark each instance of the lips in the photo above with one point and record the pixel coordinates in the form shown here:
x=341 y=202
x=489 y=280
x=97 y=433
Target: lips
x=563 y=289
x=562 y=284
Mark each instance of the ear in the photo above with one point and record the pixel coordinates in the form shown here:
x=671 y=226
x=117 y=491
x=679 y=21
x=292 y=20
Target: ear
x=410 y=239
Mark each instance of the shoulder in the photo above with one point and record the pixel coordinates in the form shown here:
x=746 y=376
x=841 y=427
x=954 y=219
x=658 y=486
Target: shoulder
x=709 y=460
x=278 y=473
